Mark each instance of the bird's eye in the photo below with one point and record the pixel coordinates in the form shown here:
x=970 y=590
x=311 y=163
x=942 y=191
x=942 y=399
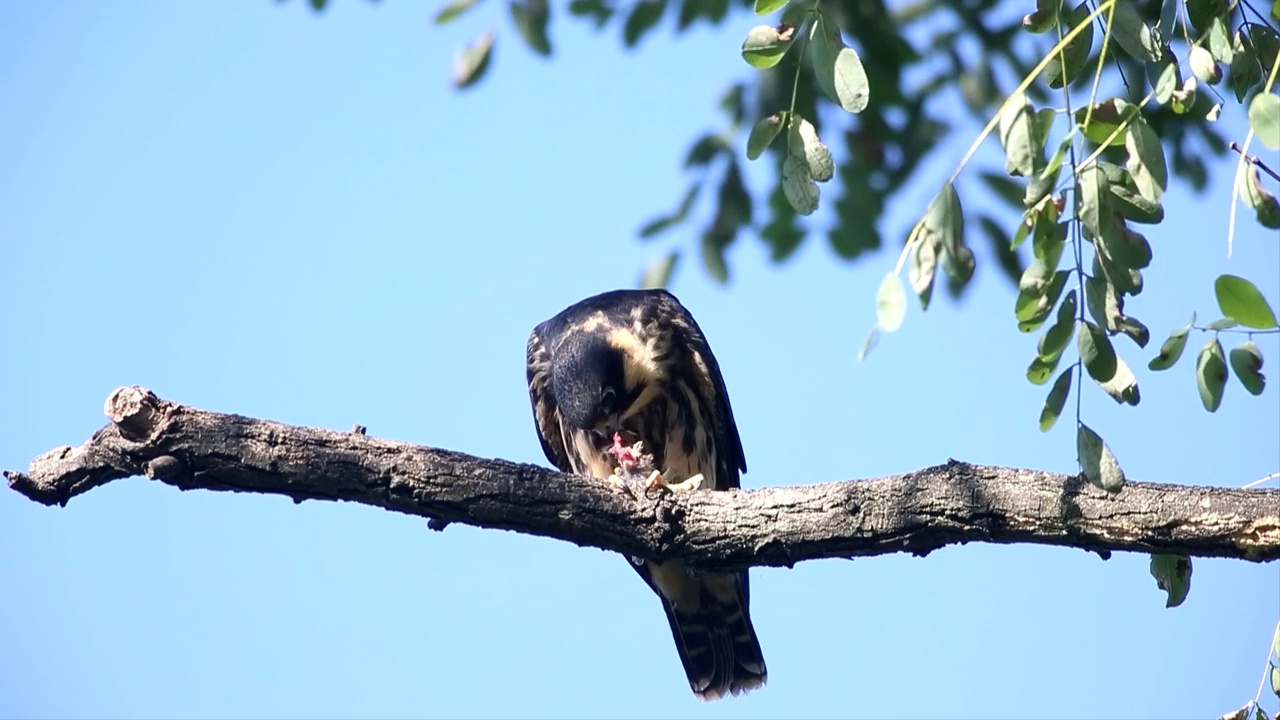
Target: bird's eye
x=607 y=397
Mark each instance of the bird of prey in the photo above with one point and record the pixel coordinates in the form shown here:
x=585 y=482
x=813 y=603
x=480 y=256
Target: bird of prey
x=629 y=373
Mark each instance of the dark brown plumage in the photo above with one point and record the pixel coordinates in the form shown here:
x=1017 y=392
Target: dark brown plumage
x=634 y=362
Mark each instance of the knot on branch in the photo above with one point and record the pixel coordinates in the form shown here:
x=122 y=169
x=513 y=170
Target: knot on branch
x=136 y=412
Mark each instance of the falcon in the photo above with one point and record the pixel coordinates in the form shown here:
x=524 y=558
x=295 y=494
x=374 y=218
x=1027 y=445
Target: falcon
x=626 y=380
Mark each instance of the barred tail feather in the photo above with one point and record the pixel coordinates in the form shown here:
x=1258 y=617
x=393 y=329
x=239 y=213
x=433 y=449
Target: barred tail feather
x=718 y=647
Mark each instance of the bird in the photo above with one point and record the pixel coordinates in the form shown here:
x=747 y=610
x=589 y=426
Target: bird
x=627 y=374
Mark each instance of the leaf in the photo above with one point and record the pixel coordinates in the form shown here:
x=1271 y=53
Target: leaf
x=1220 y=42
x=1204 y=66
x=1044 y=305
x=765 y=45
x=470 y=64
x=1264 y=118
x=1146 y=159
x=1097 y=461
x=801 y=190
x=1241 y=301
x=1018 y=138
x=1066 y=66
x=921 y=271
x=764 y=132
x=1056 y=399
x=945 y=217
x=644 y=16
x=803 y=142
x=1005 y=187
x=1135 y=36
x=531 y=18
x=1246 y=363
x=1172 y=348
x=1055 y=339
x=1256 y=196
x=1101 y=121
x=705 y=150
x=764 y=7
x=838 y=68
x=658 y=274
x=1173 y=575
x=713 y=245
x=1096 y=353
x=1123 y=386
x=1275 y=680
x=594 y=9
x=452 y=10
x=1211 y=375
x=1167 y=83
x=891 y=303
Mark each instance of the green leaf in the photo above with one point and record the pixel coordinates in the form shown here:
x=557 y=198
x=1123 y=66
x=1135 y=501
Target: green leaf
x=1097 y=461
x=452 y=10
x=1146 y=159
x=470 y=64
x=643 y=18
x=765 y=45
x=1246 y=362
x=1275 y=680
x=531 y=18
x=1096 y=353
x=764 y=132
x=801 y=190
x=1167 y=83
x=803 y=142
x=1056 y=399
x=1135 y=36
x=1220 y=42
x=597 y=10
x=1203 y=66
x=1018 y=138
x=1173 y=575
x=1241 y=301
x=921 y=271
x=1201 y=12
x=1256 y=196
x=1068 y=65
x=1211 y=374
x=1101 y=121
x=1044 y=305
x=1222 y=324
x=837 y=68
x=1123 y=386
x=713 y=245
x=764 y=7
x=1264 y=118
x=658 y=274
x=705 y=150
x=891 y=303
x=1172 y=348
x=1007 y=188
x=1055 y=339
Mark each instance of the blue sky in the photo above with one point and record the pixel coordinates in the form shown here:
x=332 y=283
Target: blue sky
x=252 y=209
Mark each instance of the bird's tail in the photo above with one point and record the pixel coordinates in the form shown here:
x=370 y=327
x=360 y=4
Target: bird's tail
x=716 y=641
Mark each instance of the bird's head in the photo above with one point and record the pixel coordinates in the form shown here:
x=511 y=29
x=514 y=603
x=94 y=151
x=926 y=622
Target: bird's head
x=589 y=381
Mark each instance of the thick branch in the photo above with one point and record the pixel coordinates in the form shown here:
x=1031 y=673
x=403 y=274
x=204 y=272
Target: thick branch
x=917 y=512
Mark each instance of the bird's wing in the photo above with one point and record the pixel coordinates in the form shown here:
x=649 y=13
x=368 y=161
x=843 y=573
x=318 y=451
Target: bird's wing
x=705 y=373
x=545 y=415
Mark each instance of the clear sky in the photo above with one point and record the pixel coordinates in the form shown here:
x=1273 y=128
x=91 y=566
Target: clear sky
x=252 y=209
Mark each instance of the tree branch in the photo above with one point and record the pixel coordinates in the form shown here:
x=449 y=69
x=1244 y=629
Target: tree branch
x=917 y=512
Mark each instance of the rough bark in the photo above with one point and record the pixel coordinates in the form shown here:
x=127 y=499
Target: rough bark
x=916 y=512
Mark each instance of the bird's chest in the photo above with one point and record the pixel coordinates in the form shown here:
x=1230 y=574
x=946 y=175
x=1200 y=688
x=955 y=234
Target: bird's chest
x=674 y=431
